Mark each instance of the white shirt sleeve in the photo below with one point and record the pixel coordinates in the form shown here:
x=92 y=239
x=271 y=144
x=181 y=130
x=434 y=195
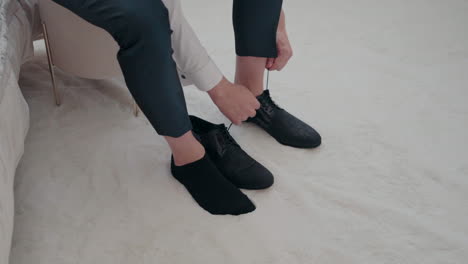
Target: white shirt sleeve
x=193 y=62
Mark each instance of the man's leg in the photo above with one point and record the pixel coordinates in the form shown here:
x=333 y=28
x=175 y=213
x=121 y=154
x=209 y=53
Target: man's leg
x=235 y=101
x=250 y=73
x=256 y=24
x=195 y=64
x=142 y=30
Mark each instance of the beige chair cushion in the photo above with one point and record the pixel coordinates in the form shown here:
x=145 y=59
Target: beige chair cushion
x=77 y=46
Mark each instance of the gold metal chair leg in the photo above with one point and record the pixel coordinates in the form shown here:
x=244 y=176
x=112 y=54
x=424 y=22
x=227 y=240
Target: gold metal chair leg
x=51 y=64
x=136 y=109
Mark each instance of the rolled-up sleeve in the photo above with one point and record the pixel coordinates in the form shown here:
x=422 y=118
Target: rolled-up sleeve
x=205 y=78
x=193 y=62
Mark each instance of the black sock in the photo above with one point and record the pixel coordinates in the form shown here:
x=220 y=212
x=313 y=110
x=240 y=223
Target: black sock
x=210 y=189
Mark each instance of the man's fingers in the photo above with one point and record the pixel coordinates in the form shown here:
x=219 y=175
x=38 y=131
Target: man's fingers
x=280 y=62
x=269 y=63
x=256 y=104
x=276 y=63
x=282 y=59
x=236 y=121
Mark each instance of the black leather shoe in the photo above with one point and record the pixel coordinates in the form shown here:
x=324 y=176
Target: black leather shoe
x=235 y=164
x=284 y=127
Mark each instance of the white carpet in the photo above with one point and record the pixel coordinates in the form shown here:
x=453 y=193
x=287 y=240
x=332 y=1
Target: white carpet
x=385 y=82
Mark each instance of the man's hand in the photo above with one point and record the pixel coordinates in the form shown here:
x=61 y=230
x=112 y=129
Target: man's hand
x=235 y=101
x=284 y=53
x=283 y=46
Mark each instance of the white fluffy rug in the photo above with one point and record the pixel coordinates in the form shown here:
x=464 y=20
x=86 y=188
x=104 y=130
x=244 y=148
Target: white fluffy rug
x=385 y=82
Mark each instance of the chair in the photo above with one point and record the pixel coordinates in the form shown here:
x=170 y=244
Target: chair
x=93 y=56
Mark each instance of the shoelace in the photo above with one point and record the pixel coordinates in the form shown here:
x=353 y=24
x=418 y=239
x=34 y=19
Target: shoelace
x=225 y=138
x=268 y=102
x=268 y=79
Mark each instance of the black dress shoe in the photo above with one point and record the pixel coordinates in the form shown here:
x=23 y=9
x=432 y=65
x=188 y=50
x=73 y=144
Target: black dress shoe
x=284 y=127
x=233 y=162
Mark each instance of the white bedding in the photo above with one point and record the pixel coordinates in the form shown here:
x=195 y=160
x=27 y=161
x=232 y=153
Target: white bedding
x=16 y=33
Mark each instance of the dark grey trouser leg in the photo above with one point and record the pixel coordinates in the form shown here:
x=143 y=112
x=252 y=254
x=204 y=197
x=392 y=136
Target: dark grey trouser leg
x=255 y=24
x=142 y=30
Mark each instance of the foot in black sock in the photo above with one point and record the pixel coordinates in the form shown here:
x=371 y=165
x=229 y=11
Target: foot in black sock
x=210 y=189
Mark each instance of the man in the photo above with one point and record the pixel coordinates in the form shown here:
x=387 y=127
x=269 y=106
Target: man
x=155 y=41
